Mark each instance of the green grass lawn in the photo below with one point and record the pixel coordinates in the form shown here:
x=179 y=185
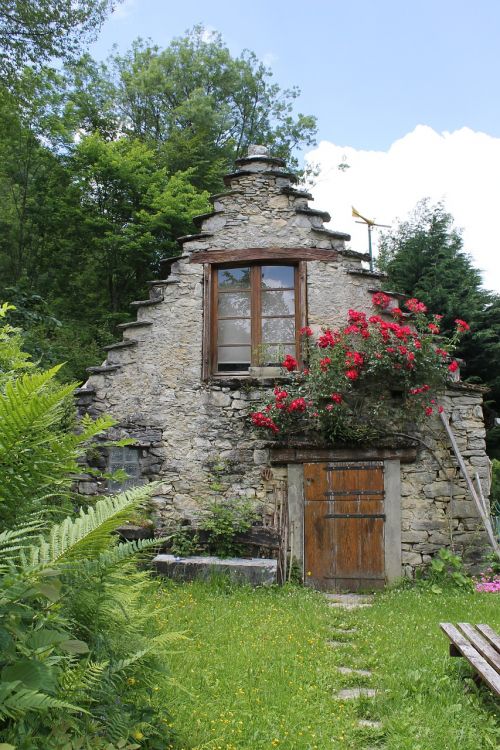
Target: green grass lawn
x=258 y=672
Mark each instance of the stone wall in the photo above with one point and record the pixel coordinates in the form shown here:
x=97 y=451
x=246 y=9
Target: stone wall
x=151 y=382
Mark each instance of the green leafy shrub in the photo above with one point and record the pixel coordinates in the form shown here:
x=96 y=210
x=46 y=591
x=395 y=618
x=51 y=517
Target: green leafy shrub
x=447 y=571
x=223 y=520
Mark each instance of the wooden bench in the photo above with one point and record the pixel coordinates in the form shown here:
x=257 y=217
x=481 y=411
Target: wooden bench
x=480 y=645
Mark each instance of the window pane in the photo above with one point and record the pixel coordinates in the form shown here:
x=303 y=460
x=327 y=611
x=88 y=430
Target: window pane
x=278 y=277
x=278 y=303
x=234 y=305
x=234 y=278
x=275 y=354
x=233 y=358
x=275 y=330
x=234 y=331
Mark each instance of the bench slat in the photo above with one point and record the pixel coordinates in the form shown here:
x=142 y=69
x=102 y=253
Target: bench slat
x=490 y=635
x=479 y=663
x=481 y=644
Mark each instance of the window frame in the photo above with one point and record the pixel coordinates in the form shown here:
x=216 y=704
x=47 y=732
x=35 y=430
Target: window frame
x=210 y=349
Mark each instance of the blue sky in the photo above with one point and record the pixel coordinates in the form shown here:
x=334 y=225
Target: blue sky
x=406 y=90
x=370 y=70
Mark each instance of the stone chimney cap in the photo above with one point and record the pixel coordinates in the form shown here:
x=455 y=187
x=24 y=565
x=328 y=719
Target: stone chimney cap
x=255 y=149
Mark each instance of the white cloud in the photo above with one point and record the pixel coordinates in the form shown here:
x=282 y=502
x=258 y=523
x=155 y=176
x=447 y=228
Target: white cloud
x=461 y=168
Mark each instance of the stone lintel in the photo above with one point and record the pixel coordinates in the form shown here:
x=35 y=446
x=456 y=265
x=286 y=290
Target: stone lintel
x=88 y=391
x=287 y=455
x=217 y=255
x=162 y=282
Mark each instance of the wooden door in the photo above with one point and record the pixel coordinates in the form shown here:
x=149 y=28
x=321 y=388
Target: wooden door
x=344 y=525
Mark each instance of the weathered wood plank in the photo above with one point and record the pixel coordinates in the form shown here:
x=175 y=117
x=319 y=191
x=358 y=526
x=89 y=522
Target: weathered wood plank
x=481 y=644
x=487 y=672
x=306 y=455
x=490 y=635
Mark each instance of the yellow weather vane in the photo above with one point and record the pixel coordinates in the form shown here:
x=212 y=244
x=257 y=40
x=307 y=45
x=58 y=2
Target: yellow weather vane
x=370 y=223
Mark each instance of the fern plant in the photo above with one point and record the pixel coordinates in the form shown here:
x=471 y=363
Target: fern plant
x=63 y=601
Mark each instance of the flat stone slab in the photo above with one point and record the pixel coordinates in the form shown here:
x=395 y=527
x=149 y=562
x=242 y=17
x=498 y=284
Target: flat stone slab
x=349 y=694
x=338 y=644
x=255 y=571
x=355 y=672
x=367 y=724
x=349 y=601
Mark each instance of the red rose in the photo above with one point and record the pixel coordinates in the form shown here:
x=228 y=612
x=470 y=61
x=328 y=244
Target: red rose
x=337 y=398
x=462 y=325
x=453 y=366
x=415 y=306
x=306 y=331
x=260 y=420
x=433 y=328
x=298 y=404
x=352 y=374
x=428 y=411
x=380 y=299
x=289 y=363
x=323 y=363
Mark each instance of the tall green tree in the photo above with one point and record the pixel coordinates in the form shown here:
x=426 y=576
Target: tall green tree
x=424 y=257
x=34 y=31
x=200 y=105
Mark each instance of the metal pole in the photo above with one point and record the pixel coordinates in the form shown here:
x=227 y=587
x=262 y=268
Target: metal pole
x=370 y=246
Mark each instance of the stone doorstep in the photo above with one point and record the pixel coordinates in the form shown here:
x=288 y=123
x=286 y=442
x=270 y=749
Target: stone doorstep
x=255 y=571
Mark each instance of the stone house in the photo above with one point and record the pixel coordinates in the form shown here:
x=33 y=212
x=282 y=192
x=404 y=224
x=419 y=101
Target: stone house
x=185 y=377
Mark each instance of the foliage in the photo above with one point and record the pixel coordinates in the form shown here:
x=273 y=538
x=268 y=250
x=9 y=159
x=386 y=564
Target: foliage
x=63 y=617
x=39 y=443
x=33 y=31
x=104 y=165
x=446 y=570
x=369 y=379
x=262 y=673
x=184 y=542
x=424 y=257
x=495 y=487
x=223 y=519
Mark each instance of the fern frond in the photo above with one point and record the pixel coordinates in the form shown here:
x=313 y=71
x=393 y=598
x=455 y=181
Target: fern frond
x=120 y=553
x=15 y=701
x=89 y=534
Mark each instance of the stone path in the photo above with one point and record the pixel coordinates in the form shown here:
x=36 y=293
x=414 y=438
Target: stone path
x=350 y=602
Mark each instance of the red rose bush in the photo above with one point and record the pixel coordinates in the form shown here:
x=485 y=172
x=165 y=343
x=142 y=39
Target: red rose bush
x=376 y=375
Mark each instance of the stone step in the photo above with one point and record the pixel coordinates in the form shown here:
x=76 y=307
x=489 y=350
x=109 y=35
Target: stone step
x=120 y=345
x=349 y=694
x=102 y=369
x=162 y=282
x=369 y=724
x=146 y=302
x=324 y=215
x=135 y=324
x=354 y=672
x=338 y=644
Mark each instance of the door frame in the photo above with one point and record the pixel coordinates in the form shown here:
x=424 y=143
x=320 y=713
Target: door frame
x=392 y=526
